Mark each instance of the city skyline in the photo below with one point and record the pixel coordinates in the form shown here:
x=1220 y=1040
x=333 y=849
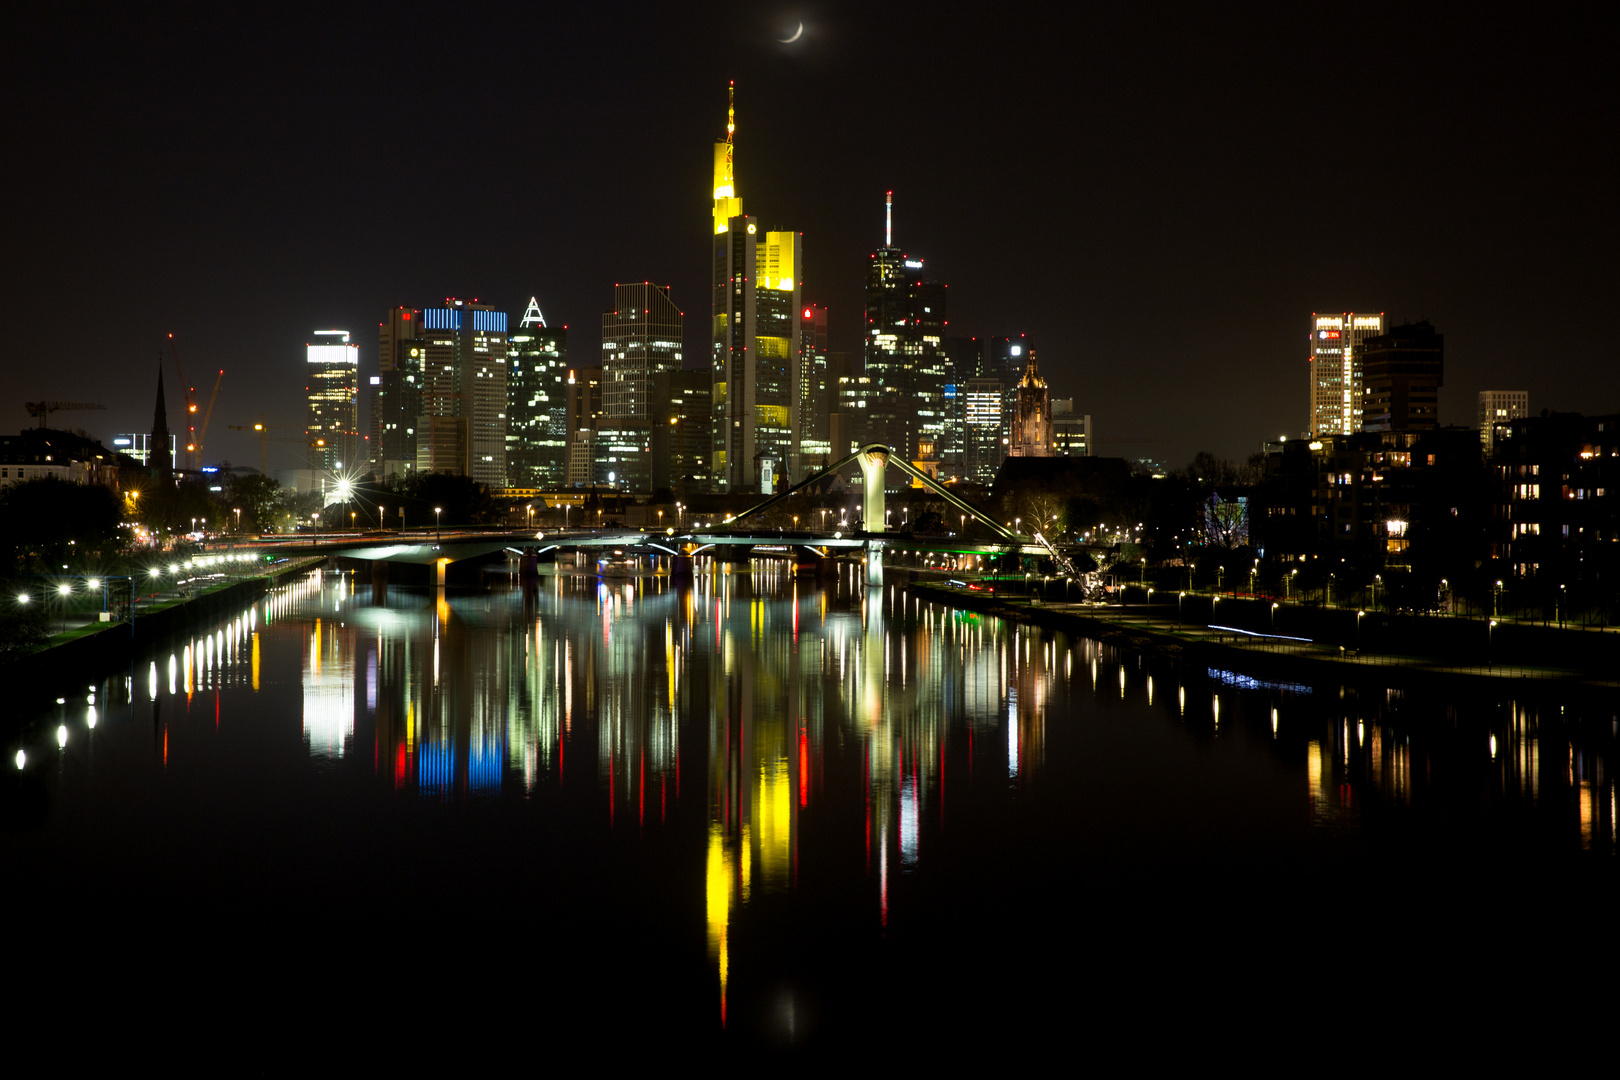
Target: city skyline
x=1150 y=229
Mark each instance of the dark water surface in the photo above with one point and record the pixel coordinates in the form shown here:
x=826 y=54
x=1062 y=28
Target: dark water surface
x=592 y=820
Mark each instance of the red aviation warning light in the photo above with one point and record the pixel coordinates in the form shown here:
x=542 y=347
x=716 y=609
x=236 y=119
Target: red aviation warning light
x=807 y=313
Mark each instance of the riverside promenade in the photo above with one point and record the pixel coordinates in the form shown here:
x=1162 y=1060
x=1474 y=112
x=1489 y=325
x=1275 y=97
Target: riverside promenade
x=1321 y=653
x=89 y=648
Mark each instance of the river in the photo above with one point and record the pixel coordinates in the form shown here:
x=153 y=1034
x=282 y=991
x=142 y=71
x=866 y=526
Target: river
x=621 y=817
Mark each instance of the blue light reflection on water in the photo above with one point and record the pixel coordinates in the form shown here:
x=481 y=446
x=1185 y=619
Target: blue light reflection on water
x=860 y=756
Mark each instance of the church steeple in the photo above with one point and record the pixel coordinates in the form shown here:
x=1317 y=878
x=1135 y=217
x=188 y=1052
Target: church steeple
x=158 y=456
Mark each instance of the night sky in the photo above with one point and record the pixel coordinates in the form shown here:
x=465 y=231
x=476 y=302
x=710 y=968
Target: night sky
x=1159 y=195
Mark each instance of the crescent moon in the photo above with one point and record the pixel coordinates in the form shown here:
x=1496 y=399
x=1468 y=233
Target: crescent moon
x=797 y=34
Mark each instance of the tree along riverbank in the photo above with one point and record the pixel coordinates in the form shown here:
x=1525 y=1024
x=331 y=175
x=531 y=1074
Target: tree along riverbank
x=89 y=656
x=1321 y=654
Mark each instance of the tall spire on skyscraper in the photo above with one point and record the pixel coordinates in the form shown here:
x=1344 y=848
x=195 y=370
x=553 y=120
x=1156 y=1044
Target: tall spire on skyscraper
x=726 y=203
x=888 y=220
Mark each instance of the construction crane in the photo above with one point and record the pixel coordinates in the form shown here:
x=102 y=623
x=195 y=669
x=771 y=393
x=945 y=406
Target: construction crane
x=264 y=441
x=43 y=409
x=189 y=395
x=207 y=415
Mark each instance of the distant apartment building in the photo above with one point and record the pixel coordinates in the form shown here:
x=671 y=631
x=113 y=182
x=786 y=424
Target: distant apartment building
x=1499 y=407
x=1557 y=516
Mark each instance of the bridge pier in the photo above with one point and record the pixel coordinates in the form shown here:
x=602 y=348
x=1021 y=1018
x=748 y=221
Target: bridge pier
x=874 y=561
x=873 y=464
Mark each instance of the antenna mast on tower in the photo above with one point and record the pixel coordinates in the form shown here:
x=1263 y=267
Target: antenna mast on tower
x=888 y=220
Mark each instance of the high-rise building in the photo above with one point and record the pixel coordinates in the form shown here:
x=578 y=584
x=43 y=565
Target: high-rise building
x=584 y=410
x=906 y=366
x=1071 y=431
x=537 y=402
x=983 y=447
x=1402 y=372
x=1005 y=358
x=756 y=338
x=1335 y=370
x=462 y=426
x=397 y=403
x=812 y=376
x=641 y=336
x=1499 y=407
x=332 y=429
x=964 y=356
x=682 y=422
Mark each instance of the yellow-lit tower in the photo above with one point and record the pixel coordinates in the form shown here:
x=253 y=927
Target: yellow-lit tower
x=726 y=203
x=757 y=412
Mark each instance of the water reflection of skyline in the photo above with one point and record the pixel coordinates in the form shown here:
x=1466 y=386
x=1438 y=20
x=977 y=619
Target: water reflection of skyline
x=787 y=717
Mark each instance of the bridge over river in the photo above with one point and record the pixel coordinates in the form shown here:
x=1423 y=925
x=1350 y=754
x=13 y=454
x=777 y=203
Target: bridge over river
x=734 y=538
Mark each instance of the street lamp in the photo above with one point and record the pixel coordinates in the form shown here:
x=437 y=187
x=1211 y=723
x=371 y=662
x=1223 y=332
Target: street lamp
x=528 y=521
x=1179 y=598
x=1490 y=637
x=438 y=531
x=1496 y=601
x=1359 y=614
x=1274 y=606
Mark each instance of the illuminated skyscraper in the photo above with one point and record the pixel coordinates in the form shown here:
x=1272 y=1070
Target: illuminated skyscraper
x=906 y=366
x=1335 y=371
x=462 y=426
x=397 y=402
x=332 y=366
x=756 y=339
x=537 y=403
x=815 y=394
x=641 y=336
x=983 y=448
